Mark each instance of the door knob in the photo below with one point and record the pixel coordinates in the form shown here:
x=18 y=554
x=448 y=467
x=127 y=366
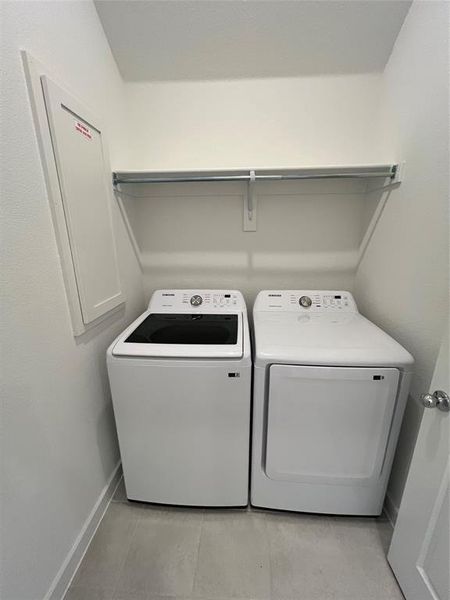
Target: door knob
x=438 y=398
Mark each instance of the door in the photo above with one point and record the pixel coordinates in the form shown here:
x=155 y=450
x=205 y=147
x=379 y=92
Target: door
x=329 y=425
x=419 y=552
x=84 y=179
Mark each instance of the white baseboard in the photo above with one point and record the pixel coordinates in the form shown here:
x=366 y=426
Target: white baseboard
x=390 y=509
x=75 y=555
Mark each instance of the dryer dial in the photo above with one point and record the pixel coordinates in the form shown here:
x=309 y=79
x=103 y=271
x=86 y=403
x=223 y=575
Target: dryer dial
x=196 y=300
x=305 y=301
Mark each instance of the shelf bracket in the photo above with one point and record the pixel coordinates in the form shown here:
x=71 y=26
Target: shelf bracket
x=398 y=174
x=250 y=204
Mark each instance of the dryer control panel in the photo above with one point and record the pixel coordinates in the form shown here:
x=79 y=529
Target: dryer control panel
x=193 y=301
x=305 y=301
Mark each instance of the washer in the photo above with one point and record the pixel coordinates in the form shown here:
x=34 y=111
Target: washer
x=330 y=389
x=180 y=378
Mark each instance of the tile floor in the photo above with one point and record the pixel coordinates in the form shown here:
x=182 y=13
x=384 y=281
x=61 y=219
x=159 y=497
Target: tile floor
x=144 y=552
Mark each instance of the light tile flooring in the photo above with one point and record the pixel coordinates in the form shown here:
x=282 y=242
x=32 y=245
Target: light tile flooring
x=144 y=552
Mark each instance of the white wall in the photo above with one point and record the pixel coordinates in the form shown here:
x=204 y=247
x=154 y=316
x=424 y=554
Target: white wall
x=58 y=437
x=308 y=234
x=402 y=283
x=254 y=123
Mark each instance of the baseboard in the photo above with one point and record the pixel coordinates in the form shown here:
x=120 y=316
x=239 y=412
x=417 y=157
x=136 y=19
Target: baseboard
x=73 y=559
x=390 y=509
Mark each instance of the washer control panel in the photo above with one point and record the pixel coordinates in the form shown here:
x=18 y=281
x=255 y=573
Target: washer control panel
x=306 y=301
x=197 y=301
x=214 y=299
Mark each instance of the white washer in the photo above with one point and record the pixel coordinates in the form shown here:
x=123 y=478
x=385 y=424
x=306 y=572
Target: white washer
x=180 y=378
x=330 y=389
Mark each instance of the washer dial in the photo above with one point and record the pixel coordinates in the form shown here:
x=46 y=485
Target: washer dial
x=196 y=300
x=305 y=301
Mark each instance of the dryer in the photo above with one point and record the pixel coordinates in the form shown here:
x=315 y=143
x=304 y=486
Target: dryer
x=330 y=390
x=180 y=379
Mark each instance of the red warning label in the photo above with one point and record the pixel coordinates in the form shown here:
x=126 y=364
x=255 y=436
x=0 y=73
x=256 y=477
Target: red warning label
x=83 y=130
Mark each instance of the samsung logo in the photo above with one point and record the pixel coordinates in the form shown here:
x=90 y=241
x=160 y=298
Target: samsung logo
x=168 y=294
x=274 y=295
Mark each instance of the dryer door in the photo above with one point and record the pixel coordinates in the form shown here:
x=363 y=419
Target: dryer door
x=329 y=424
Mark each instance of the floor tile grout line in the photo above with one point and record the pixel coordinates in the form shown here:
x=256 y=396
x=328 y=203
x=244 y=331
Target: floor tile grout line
x=265 y=519
x=126 y=554
x=197 y=559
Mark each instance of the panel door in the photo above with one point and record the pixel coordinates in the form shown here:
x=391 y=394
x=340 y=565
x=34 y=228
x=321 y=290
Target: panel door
x=420 y=550
x=83 y=173
x=329 y=424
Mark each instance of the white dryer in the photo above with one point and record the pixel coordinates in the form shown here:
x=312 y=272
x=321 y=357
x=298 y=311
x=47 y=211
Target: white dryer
x=330 y=389
x=180 y=378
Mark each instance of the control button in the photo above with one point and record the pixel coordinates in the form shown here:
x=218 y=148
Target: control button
x=305 y=301
x=196 y=300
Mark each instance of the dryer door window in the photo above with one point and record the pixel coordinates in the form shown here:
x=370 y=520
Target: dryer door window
x=329 y=424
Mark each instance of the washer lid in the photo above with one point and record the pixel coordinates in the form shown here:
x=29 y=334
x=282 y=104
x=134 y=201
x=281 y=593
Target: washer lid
x=339 y=339
x=183 y=335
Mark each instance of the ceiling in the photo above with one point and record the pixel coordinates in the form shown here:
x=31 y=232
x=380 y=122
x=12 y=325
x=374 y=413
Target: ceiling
x=170 y=40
